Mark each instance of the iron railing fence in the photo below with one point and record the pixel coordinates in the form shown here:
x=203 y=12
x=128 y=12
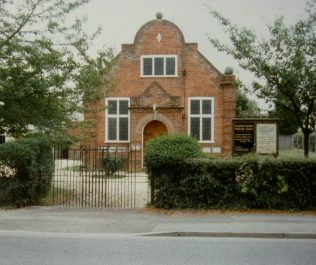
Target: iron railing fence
x=103 y=177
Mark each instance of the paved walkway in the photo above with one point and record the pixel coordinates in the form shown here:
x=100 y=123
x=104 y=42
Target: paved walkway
x=76 y=188
x=158 y=223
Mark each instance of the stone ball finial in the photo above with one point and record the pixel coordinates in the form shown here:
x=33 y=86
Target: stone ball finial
x=229 y=70
x=159 y=15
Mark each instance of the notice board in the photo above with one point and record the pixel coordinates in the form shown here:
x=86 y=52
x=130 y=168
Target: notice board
x=244 y=137
x=255 y=136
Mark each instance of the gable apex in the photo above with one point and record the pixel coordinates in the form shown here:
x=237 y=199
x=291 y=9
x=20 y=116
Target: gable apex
x=157 y=23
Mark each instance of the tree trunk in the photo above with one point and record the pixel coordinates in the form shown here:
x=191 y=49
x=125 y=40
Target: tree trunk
x=306 y=144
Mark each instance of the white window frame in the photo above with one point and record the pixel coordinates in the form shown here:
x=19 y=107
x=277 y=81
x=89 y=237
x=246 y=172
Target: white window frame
x=107 y=115
x=153 y=65
x=201 y=116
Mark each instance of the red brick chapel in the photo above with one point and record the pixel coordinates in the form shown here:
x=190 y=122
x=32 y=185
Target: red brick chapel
x=165 y=85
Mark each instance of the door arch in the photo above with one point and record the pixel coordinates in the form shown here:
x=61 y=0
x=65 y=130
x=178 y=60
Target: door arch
x=152 y=130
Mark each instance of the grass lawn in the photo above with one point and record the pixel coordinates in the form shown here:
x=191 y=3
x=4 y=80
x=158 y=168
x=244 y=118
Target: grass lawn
x=295 y=153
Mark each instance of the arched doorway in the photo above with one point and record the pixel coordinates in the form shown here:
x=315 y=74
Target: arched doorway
x=152 y=130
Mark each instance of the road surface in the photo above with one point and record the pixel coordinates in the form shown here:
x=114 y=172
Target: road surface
x=38 y=248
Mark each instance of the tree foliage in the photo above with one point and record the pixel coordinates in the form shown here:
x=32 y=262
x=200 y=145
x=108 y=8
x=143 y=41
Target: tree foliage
x=45 y=67
x=285 y=63
x=287 y=121
x=245 y=107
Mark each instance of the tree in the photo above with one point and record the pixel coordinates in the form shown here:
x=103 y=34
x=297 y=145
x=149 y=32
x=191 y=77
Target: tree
x=288 y=123
x=285 y=63
x=46 y=72
x=245 y=107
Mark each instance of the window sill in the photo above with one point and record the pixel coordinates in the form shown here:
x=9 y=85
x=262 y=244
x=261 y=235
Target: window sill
x=116 y=142
x=206 y=142
x=158 y=76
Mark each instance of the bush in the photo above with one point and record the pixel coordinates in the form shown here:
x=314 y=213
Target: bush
x=244 y=182
x=163 y=160
x=200 y=184
x=32 y=162
x=280 y=183
x=169 y=151
x=111 y=165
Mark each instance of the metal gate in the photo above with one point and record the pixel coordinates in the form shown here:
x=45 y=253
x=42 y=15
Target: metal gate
x=104 y=177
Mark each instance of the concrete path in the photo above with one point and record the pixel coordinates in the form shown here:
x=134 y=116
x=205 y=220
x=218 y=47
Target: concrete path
x=76 y=188
x=153 y=222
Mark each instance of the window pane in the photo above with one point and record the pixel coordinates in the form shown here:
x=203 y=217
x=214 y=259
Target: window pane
x=195 y=128
x=159 y=66
x=123 y=107
x=147 y=66
x=112 y=107
x=170 y=66
x=206 y=132
x=195 y=107
x=112 y=128
x=123 y=129
x=206 y=107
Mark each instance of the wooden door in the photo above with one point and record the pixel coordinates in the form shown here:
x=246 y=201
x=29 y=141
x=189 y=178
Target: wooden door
x=152 y=130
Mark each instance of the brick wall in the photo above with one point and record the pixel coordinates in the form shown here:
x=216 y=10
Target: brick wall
x=197 y=77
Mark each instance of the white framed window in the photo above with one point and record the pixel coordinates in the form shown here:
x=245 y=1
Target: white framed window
x=117 y=120
x=159 y=66
x=201 y=118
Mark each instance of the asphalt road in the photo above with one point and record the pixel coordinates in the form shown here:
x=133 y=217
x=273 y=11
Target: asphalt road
x=37 y=248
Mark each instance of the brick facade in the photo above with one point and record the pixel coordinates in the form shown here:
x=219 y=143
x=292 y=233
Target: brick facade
x=166 y=99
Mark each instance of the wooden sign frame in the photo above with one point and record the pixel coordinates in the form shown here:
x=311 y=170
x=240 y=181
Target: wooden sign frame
x=259 y=136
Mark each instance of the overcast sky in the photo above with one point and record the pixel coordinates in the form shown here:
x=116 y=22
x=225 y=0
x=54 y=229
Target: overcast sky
x=121 y=19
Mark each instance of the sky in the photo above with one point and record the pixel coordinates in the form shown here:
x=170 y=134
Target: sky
x=121 y=19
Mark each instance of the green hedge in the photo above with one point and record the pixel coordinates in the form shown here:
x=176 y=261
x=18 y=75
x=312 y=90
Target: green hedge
x=164 y=158
x=245 y=182
x=32 y=161
x=168 y=151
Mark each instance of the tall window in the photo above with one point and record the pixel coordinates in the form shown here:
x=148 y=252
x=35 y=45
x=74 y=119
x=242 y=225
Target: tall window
x=201 y=119
x=158 y=65
x=117 y=119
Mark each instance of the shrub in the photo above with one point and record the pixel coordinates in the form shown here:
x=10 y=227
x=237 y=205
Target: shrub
x=6 y=171
x=280 y=183
x=169 y=151
x=32 y=162
x=200 y=184
x=164 y=158
x=244 y=182
x=111 y=165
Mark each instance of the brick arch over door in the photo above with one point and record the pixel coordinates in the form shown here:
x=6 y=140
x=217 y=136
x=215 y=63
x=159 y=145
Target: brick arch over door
x=148 y=118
